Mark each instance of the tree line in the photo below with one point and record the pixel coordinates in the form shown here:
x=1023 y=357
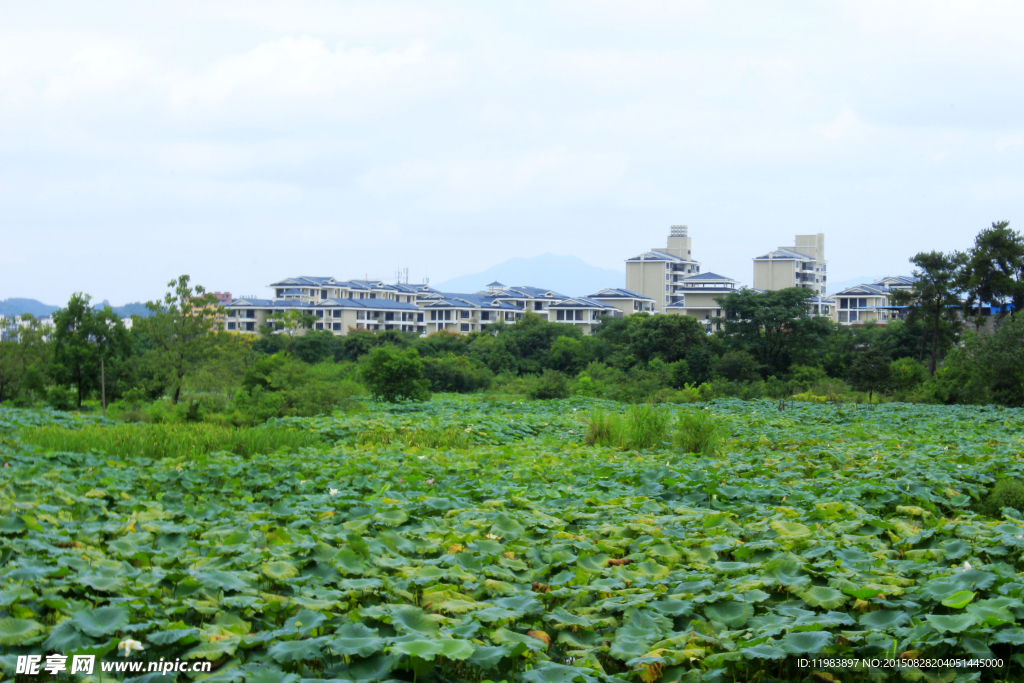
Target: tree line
x=178 y=364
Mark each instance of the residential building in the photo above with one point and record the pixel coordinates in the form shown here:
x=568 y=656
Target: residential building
x=657 y=273
x=626 y=301
x=465 y=313
x=583 y=312
x=339 y=316
x=870 y=302
x=695 y=295
x=534 y=299
x=802 y=265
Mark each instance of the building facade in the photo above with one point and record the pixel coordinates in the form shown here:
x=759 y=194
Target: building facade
x=657 y=273
x=802 y=265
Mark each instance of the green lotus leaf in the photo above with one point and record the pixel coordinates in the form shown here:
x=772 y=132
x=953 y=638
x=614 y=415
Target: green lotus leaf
x=951 y=623
x=884 y=619
x=732 y=613
x=297 y=650
x=17 y=631
x=549 y=672
x=356 y=639
x=805 y=642
x=507 y=528
x=102 y=621
x=270 y=674
x=1012 y=636
x=417 y=646
x=414 y=619
x=487 y=657
x=790 y=529
x=457 y=650
x=66 y=638
x=279 y=570
x=188 y=635
x=959 y=600
x=821 y=596
x=763 y=651
x=215 y=650
x=221 y=580
x=994 y=611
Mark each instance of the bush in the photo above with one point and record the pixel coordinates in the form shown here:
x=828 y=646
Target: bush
x=738 y=366
x=551 y=384
x=456 y=374
x=906 y=376
x=697 y=431
x=393 y=374
x=803 y=377
x=1007 y=493
x=60 y=398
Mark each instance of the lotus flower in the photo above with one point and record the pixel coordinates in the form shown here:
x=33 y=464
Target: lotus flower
x=333 y=492
x=967 y=566
x=128 y=645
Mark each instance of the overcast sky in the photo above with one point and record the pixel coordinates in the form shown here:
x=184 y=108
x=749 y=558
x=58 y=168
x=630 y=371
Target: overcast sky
x=242 y=142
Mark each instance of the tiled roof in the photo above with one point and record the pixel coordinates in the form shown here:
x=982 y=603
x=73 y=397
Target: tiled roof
x=617 y=293
x=784 y=254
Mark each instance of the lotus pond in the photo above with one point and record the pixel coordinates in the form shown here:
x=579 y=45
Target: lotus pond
x=518 y=553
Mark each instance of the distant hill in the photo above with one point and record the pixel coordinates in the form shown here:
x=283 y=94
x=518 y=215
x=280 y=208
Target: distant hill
x=12 y=308
x=567 y=275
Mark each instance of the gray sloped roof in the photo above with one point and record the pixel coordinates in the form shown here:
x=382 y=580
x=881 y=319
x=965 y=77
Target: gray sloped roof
x=582 y=302
x=784 y=255
x=618 y=293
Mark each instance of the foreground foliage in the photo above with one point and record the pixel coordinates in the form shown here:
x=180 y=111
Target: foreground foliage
x=813 y=533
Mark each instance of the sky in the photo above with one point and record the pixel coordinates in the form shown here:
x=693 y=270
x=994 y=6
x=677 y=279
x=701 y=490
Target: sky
x=242 y=142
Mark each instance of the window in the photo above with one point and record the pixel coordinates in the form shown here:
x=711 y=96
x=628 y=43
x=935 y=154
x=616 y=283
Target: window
x=319 y=326
x=231 y=326
x=320 y=314
x=447 y=315
x=250 y=327
x=485 y=315
x=373 y=295
x=561 y=315
x=465 y=327
x=336 y=327
x=337 y=313
x=389 y=316
x=250 y=314
x=465 y=314
x=433 y=315
x=419 y=317
x=862 y=303
x=538 y=305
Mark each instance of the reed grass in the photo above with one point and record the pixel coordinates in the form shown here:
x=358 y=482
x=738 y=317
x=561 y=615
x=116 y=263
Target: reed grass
x=428 y=437
x=159 y=441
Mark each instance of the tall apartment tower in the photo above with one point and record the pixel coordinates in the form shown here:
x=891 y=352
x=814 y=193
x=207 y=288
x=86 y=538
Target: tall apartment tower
x=654 y=273
x=802 y=265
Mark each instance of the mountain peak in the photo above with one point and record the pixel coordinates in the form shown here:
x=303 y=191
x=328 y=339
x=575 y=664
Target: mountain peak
x=570 y=275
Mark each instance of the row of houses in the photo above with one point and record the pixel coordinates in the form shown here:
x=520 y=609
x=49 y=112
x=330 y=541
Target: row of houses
x=339 y=306
x=664 y=280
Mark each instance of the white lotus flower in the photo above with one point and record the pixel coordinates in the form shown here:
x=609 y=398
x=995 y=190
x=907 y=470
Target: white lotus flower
x=128 y=645
x=333 y=492
x=967 y=565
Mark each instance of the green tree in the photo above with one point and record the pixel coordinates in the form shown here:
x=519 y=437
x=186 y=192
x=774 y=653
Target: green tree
x=394 y=374
x=773 y=326
x=24 y=356
x=993 y=271
x=934 y=300
x=666 y=337
x=738 y=366
x=292 y=322
x=181 y=332
x=869 y=372
x=83 y=338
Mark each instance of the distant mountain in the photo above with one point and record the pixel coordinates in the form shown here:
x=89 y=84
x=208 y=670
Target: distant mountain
x=567 y=275
x=12 y=308
x=128 y=310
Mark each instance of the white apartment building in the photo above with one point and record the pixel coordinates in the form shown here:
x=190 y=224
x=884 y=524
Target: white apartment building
x=870 y=302
x=802 y=265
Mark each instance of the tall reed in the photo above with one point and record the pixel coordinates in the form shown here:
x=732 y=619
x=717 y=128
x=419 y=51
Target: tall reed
x=160 y=441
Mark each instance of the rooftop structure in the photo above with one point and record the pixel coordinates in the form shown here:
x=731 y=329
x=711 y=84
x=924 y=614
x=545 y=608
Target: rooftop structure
x=802 y=265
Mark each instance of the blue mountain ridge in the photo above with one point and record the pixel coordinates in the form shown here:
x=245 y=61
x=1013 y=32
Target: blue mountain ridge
x=569 y=275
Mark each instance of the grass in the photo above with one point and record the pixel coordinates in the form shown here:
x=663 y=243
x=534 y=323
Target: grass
x=697 y=431
x=643 y=427
x=429 y=437
x=159 y=441
x=639 y=427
